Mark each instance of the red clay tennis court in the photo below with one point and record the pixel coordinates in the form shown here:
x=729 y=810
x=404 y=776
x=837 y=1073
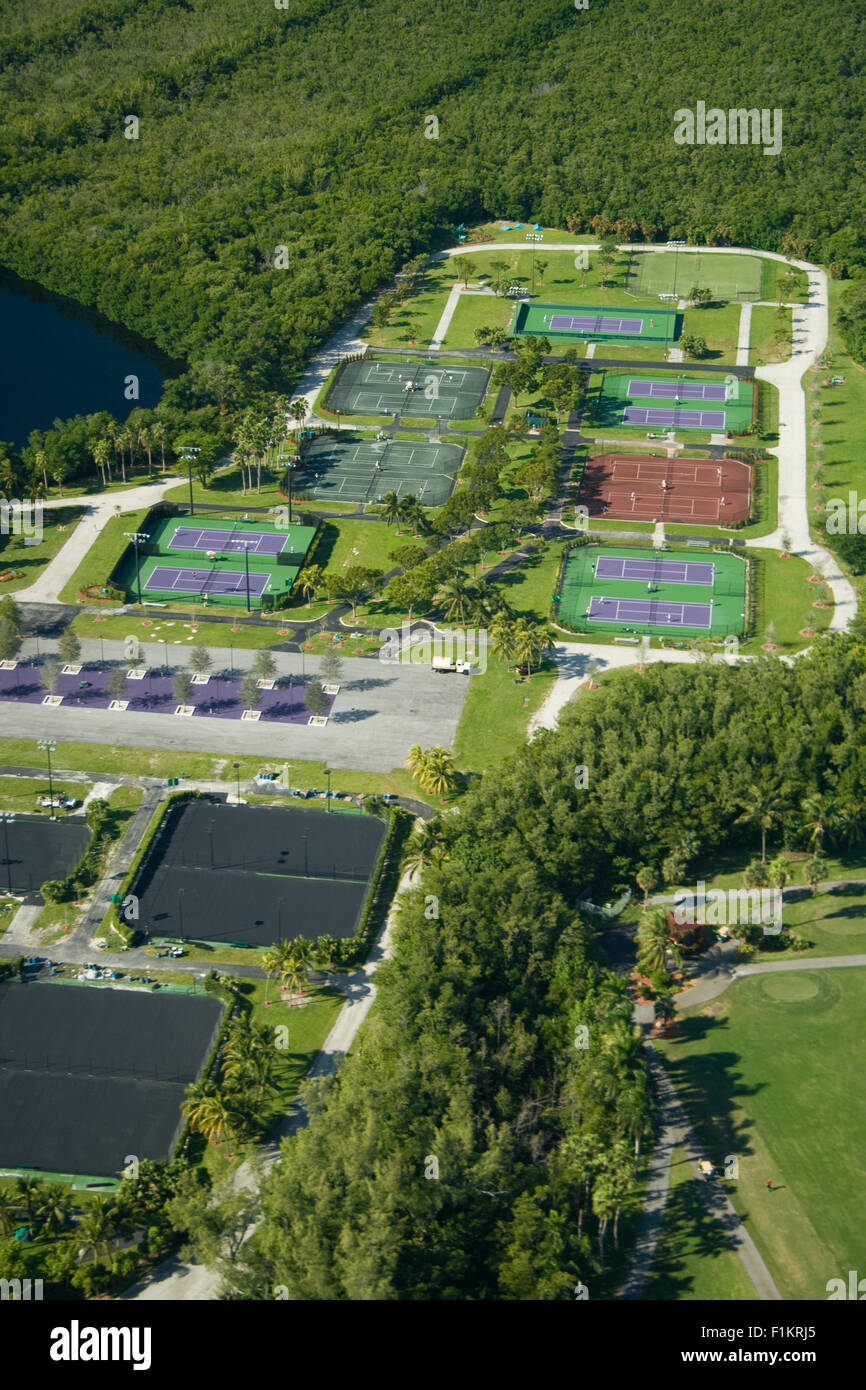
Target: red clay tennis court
x=642 y=488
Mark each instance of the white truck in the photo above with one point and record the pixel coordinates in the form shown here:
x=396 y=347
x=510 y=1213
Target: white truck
x=444 y=663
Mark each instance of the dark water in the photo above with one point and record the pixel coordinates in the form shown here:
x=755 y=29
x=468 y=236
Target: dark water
x=58 y=360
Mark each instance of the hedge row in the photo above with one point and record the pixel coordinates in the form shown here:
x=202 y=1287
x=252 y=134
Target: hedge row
x=113 y=917
x=383 y=886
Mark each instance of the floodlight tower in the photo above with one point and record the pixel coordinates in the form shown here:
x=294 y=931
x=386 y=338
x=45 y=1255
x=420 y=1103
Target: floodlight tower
x=534 y=238
x=136 y=537
x=49 y=746
x=189 y=453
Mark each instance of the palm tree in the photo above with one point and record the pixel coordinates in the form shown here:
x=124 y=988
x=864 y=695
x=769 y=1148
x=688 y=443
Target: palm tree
x=780 y=871
x=425 y=847
x=814 y=870
x=27 y=1194
x=10 y=1207
x=53 y=1208
x=159 y=435
x=645 y=879
x=324 y=951
x=416 y=760
x=456 y=596
x=654 y=939
x=208 y=1112
x=760 y=808
x=822 y=813
x=101 y=452
x=310 y=581
x=501 y=636
x=529 y=640
x=299 y=410
x=146 y=441
x=439 y=775
x=391 y=508
x=97 y=1227
x=634 y=1111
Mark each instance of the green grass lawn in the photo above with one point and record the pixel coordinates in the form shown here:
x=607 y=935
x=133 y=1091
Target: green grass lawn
x=720 y=327
x=835 y=924
x=30 y=560
x=343 y=544
x=175 y=632
x=103 y=555
x=477 y=311
x=785 y=599
x=694 y=1258
x=225 y=486
x=772 y=1071
x=20 y=794
x=771 y=336
x=837 y=442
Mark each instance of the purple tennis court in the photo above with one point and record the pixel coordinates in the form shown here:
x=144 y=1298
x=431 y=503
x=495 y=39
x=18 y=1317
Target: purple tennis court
x=189 y=581
x=198 y=538
x=652 y=611
x=678 y=390
x=666 y=571
x=592 y=323
x=684 y=419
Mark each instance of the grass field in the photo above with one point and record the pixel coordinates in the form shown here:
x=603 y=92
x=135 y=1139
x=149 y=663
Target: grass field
x=20 y=794
x=772 y=1071
x=770 y=339
x=175 y=632
x=476 y=311
x=29 y=561
x=837 y=441
x=786 y=600
x=103 y=555
x=719 y=327
x=694 y=1258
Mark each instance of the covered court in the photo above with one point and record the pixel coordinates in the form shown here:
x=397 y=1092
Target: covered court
x=644 y=488
x=422 y=390
x=257 y=874
x=39 y=849
x=92 y=1074
x=364 y=470
x=600 y=590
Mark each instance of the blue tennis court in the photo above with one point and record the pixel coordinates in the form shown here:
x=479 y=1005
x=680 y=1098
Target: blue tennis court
x=200 y=538
x=665 y=571
x=212 y=581
x=682 y=419
x=649 y=611
x=594 y=323
x=678 y=390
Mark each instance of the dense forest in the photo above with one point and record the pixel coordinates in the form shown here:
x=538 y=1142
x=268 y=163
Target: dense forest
x=473 y=1056
x=305 y=127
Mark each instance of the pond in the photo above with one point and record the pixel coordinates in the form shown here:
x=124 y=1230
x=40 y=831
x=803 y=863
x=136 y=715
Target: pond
x=58 y=359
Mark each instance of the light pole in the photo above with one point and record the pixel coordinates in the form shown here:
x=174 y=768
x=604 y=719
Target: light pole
x=189 y=452
x=291 y=462
x=49 y=746
x=327 y=771
x=534 y=238
x=238 y=775
x=6 y=817
x=247 y=547
x=135 y=537
x=676 y=245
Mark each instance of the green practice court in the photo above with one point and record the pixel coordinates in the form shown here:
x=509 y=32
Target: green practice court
x=582 y=322
x=204 y=558
x=364 y=470
x=652 y=399
x=670 y=593
x=416 y=389
x=654 y=273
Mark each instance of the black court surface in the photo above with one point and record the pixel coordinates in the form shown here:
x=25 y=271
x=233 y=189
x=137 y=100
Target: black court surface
x=39 y=849
x=256 y=874
x=90 y=1075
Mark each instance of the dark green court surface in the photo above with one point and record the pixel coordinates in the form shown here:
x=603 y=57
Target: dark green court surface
x=256 y=874
x=90 y=1076
x=418 y=390
x=364 y=470
x=39 y=849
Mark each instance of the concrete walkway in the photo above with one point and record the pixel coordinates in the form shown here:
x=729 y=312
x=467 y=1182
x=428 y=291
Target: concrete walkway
x=745 y=335
x=677 y=1132
x=99 y=509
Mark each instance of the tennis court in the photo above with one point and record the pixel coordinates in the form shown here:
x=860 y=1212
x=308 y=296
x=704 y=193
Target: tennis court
x=674 y=419
x=649 y=612
x=255 y=542
x=680 y=390
x=364 y=470
x=185 y=560
x=665 y=571
x=92 y=1074
x=633 y=402
x=257 y=874
x=423 y=390
x=163 y=578
x=589 y=321
x=646 y=488
x=727 y=276
x=39 y=849
x=596 y=592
